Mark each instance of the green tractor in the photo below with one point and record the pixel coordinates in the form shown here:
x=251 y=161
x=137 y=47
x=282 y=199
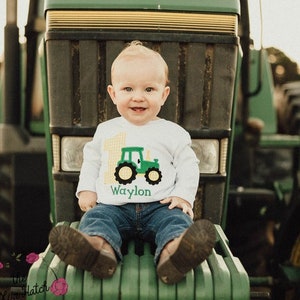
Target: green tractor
x=200 y=43
x=132 y=163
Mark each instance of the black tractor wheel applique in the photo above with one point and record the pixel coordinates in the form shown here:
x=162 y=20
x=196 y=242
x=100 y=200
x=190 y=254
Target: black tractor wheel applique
x=153 y=176
x=125 y=173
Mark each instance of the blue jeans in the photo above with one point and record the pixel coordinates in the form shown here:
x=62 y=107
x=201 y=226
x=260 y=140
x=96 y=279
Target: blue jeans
x=151 y=222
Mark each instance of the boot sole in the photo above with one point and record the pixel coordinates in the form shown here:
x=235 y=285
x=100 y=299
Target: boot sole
x=74 y=249
x=195 y=246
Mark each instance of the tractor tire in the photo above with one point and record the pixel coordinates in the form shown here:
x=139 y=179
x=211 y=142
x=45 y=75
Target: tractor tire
x=125 y=173
x=153 y=176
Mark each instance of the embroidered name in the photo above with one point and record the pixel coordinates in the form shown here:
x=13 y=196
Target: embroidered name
x=119 y=190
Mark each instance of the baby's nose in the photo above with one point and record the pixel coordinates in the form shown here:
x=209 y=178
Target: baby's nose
x=138 y=96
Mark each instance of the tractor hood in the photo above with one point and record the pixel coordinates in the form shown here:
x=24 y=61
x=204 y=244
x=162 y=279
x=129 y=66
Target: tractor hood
x=224 y=6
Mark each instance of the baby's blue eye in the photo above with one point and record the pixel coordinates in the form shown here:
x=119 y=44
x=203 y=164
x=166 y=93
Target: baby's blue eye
x=128 y=89
x=149 y=89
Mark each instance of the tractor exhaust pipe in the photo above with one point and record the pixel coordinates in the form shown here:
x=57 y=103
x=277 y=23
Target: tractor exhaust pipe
x=11 y=105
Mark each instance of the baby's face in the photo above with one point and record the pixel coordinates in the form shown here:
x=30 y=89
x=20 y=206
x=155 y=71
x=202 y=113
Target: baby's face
x=139 y=89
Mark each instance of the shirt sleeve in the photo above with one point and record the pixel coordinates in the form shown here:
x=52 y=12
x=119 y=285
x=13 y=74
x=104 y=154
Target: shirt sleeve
x=187 y=170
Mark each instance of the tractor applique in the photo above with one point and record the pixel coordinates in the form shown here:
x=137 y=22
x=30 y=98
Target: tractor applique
x=132 y=163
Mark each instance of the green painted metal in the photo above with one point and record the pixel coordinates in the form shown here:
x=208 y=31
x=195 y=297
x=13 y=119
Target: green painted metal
x=91 y=287
x=38 y=275
x=43 y=67
x=77 y=289
x=204 y=278
x=229 y=6
x=110 y=286
x=239 y=279
x=261 y=104
x=221 y=276
x=148 y=281
x=279 y=141
x=130 y=278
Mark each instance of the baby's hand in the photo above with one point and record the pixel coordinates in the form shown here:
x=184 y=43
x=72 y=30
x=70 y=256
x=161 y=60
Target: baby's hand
x=87 y=200
x=180 y=203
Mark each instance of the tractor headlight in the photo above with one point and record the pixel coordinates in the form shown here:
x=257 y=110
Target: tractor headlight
x=67 y=152
x=72 y=152
x=212 y=155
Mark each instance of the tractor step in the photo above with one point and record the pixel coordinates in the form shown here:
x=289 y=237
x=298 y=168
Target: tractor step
x=221 y=276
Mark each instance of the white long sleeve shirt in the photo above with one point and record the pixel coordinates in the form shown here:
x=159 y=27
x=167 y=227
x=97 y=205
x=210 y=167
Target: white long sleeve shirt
x=158 y=155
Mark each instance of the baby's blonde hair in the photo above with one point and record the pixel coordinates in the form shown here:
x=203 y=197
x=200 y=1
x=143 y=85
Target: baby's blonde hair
x=136 y=49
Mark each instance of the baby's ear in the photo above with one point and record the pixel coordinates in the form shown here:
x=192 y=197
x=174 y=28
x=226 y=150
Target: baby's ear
x=165 y=94
x=111 y=92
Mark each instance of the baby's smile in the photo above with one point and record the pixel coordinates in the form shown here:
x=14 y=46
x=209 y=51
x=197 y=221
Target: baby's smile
x=138 y=109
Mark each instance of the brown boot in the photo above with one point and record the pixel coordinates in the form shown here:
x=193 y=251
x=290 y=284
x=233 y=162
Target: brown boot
x=91 y=253
x=186 y=252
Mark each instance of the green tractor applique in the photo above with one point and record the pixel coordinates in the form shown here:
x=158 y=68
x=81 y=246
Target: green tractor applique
x=132 y=163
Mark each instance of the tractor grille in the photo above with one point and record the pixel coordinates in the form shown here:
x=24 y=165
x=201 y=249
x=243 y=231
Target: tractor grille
x=143 y=20
x=201 y=77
